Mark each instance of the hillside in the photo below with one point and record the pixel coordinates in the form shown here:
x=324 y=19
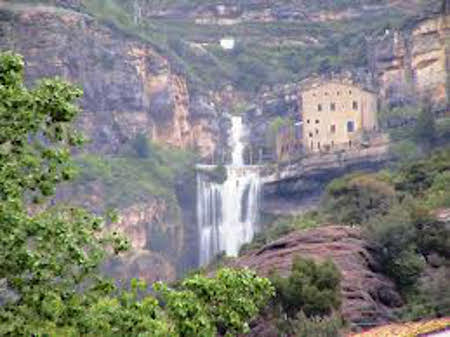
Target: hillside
x=275 y=42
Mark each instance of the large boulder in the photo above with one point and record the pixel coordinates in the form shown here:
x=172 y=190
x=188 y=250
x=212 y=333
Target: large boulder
x=368 y=297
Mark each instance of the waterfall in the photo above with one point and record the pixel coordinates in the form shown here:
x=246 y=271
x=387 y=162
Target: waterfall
x=227 y=213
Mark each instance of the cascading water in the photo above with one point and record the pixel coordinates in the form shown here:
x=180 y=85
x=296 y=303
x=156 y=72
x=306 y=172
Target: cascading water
x=227 y=213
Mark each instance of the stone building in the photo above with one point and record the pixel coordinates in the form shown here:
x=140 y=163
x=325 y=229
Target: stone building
x=335 y=114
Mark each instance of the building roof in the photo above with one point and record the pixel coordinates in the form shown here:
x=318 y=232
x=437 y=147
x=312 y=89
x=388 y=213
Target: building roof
x=316 y=82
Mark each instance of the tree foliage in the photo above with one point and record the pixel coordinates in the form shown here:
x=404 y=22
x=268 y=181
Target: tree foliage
x=313 y=288
x=356 y=198
x=49 y=279
x=44 y=257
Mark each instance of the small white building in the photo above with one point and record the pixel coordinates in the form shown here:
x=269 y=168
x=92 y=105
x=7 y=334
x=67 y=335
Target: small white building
x=227 y=43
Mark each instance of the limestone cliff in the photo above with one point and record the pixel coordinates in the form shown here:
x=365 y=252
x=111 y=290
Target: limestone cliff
x=414 y=63
x=128 y=87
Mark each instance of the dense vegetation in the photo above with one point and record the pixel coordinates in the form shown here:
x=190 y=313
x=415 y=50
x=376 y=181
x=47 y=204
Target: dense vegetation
x=405 y=228
x=142 y=170
x=312 y=288
x=50 y=283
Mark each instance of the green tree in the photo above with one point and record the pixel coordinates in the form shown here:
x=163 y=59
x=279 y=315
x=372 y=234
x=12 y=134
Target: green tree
x=43 y=257
x=396 y=236
x=49 y=279
x=356 y=198
x=425 y=129
x=313 y=288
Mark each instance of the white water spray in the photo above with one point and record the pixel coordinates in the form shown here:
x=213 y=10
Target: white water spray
x=227 y=213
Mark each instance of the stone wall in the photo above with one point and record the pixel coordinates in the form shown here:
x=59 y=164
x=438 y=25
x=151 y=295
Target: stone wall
x=335 y=114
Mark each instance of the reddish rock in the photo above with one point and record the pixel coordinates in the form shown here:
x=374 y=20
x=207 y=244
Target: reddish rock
x=368 y=297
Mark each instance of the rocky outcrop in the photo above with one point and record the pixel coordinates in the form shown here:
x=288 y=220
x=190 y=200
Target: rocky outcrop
x=368 y=296
x=414 y=63
x=128 y=87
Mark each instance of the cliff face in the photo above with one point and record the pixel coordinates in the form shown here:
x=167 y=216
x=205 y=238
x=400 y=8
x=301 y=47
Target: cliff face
x=128 y=87
x=414 y=63
x=296 y=187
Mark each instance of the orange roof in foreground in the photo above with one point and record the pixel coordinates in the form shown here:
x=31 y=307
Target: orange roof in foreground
x=407 y=329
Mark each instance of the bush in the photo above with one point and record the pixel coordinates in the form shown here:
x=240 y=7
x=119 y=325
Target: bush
x=317 y=326
x=437 y=291
x=313 y=288
x=357 y=198
x=396 y=236
x=141 y=146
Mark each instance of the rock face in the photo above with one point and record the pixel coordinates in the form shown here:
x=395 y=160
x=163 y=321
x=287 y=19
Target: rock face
x=128 y=87
x=298 y=186
x=414 y=63
x=368 y=297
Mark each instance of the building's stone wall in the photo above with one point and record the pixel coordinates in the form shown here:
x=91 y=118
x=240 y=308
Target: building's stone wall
x=328 y=110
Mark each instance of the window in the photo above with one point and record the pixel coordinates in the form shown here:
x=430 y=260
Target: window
x=326 y=93
x=349 y=92
x=355 y=105
x=319 y=107
x=333 y=106
x=333 y=128
x=317 y=121
x=317 y=131
x=338 y=93
x=308 y=121
x=310 y=134
x=350 y=126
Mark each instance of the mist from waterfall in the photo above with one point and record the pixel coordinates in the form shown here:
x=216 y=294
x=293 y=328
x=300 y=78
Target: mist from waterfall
x=227 y=213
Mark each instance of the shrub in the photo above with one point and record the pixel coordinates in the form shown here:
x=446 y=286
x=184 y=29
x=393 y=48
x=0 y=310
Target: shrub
x=357 y=198
x=141 y=146
x=437 y=291
x=313 y=288
x=396 y=235
x=317 y=326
